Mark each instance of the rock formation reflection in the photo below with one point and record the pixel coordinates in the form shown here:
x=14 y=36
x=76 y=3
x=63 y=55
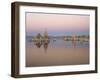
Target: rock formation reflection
x=46 y=40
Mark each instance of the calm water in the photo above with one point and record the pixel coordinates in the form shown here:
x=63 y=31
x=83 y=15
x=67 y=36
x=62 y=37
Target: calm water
x=56 y=52
x=59 y=43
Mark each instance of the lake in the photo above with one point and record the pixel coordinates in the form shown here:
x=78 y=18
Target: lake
x=56 y=52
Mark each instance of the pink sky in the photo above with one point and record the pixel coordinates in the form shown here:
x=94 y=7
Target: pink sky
x=56 y=22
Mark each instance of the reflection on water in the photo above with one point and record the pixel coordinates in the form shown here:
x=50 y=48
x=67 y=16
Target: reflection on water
x=57 y=43
x=38 y=45
x=58 y=52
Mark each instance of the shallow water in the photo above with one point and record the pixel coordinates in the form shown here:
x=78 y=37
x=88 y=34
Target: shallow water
x=59 y=43
x=56 y=52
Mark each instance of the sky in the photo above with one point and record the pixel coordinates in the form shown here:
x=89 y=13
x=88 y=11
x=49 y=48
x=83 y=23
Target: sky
x=57 y=24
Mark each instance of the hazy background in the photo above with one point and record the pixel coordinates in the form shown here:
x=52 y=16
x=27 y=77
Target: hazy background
x=57 y=24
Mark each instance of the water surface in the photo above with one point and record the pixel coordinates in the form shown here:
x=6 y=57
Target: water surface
x=56 y=52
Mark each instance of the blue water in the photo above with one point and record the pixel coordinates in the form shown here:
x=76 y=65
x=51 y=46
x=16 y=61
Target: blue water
x=59 y=43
